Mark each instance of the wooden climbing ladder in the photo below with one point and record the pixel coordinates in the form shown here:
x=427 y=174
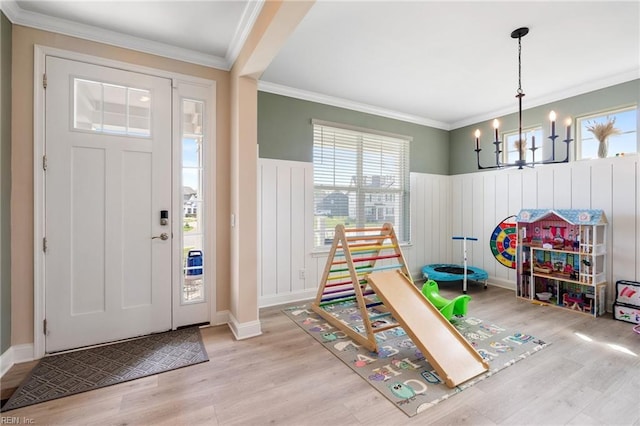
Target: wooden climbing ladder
x=355 y=253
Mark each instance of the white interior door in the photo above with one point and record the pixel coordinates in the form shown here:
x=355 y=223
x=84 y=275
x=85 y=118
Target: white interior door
x=107 y=179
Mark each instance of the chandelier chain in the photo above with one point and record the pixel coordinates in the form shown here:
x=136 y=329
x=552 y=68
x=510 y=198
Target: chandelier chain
x=519 y=65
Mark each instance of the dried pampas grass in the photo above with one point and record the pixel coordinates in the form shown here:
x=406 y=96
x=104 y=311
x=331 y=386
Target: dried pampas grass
x=603 y=130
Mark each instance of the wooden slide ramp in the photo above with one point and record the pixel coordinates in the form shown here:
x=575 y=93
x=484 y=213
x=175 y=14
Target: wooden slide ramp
x=448 y=352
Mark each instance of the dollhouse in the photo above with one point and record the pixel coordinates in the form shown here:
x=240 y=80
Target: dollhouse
x=561 y=259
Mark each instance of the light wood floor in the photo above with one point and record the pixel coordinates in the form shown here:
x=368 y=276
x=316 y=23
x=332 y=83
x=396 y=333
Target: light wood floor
x=284 y=377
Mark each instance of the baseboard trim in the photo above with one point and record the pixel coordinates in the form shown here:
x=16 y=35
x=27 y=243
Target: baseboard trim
x=15 y=355
x=220 y=318
x=276 y=300
x=245 y=330
x=497 y=282
x=6 y=361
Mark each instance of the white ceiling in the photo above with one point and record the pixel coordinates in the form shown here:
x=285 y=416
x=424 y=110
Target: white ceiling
x=206 y=32
x=445 y=64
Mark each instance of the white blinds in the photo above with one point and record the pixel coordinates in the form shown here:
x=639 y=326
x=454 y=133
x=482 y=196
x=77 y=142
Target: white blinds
x=361 y=179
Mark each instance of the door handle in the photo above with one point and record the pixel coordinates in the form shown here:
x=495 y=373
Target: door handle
x=164 y=236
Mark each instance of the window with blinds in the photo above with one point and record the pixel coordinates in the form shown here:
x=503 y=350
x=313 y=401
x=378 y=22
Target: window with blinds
x=360 y=179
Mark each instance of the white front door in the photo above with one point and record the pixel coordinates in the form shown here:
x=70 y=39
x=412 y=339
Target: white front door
x=108 y=262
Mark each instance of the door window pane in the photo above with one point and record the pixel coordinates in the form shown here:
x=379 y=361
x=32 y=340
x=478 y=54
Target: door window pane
x=190 y=152
x=114 y=103
x=194 y=258
x=139 y=112
x=88 y=105
x=108 y=108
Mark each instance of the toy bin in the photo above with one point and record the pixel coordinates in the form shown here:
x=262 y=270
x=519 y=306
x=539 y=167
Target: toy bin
x=627 y=304
x=626 y=313
x=628 y=293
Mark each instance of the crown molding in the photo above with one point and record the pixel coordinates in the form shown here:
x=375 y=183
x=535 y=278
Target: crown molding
x=39 y=21
x=9 y=8
x=602 y=83
x=249 y=16
x=278 y=89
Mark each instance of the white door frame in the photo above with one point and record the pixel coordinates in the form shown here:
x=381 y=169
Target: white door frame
x=40 y=54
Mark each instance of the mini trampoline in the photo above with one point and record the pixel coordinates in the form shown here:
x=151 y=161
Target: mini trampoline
x=448 y=272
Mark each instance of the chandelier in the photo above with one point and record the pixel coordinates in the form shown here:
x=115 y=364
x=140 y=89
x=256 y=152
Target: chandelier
x=522 y=143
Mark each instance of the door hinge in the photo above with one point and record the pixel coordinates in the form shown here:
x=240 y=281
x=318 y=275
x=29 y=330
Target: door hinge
x=44 y=163
x=44 y=244
x=44 y=326
x=44 y=80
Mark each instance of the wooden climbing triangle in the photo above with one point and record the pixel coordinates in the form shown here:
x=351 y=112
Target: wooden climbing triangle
x=356 y=253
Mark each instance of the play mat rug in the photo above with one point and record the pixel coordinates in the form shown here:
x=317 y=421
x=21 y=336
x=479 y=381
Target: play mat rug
x=400 y=371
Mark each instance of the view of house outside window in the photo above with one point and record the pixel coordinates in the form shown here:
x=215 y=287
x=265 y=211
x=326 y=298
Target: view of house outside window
x=360 y=180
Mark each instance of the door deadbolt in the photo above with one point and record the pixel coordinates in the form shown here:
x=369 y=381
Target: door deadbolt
x=164 y=236
x=164 y=217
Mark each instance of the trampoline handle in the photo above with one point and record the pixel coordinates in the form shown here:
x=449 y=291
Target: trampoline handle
x=465 y=238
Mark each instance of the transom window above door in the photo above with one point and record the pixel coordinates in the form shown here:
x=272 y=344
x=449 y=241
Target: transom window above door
x=111 y=109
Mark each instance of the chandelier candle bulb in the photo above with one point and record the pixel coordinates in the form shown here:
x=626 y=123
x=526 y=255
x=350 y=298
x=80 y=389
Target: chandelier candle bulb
x=568 y=123
x=477 y=139
x=496 y=125
x=552 y=118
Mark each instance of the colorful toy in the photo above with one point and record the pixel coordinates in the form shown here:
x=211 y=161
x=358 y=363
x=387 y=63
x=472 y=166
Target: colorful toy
x=577 y=301
x=448 y=308
x=503 y=242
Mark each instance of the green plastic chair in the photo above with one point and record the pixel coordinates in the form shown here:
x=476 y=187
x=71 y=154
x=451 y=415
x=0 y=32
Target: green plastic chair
x=448 y=308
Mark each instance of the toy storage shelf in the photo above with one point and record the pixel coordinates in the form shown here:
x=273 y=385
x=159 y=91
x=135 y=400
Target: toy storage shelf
x=561 y=259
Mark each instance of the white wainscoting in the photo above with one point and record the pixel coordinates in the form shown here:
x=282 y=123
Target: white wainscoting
x=445 y=206
x=481 y=200
x=431 y=197
x=286 y=270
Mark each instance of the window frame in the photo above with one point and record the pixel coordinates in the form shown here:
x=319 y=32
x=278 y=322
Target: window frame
x=580 y=137
x=361 y=189
x=525 y=131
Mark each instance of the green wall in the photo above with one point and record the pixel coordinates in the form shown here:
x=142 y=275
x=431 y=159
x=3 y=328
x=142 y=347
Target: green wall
x=463 y=157
x=5 y=183
x=285 y=132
